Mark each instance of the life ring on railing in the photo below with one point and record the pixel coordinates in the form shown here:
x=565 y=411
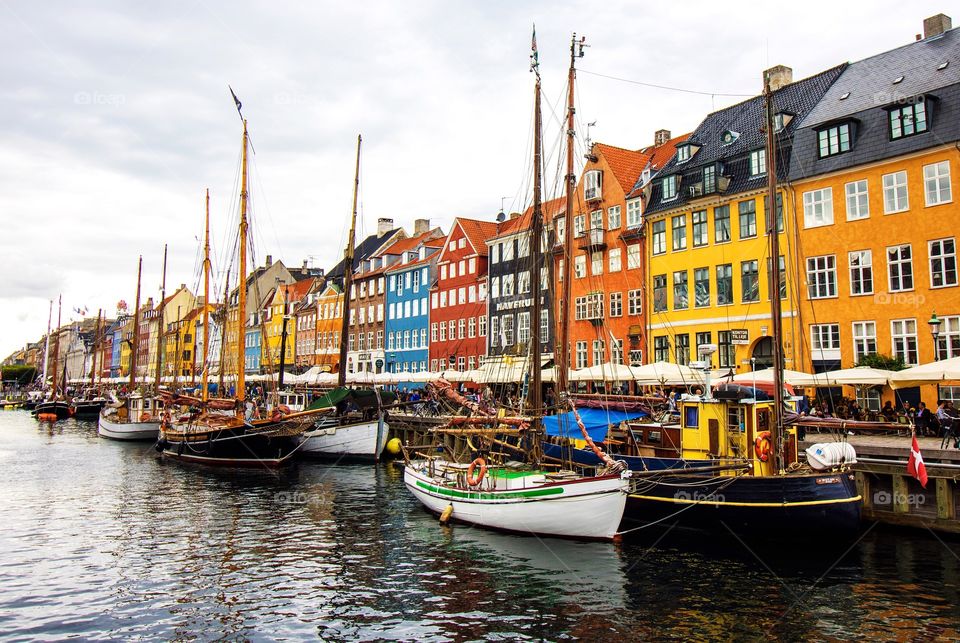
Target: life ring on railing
x=471 y=481
x=166 y=419
x=144 y=417
x=761 y=446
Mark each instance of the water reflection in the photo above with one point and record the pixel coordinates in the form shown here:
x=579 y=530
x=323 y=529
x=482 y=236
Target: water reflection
x=105 y=540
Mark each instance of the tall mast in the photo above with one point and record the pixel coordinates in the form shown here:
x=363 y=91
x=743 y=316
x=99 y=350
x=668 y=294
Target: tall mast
x=135 y=342
x=160 y=325
x=774 y=288
x=46 y=348
x=223 y=331
x=96 y=343
x=242 y=272
x=348 y=275
x=56 y=348
x=206 y=301
x=536 y=254
x=563 y=340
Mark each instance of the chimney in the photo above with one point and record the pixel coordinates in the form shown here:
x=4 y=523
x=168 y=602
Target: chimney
x=304 y=265
x=936 y=25
x=660 y=137
x=384 y=225
x=183 y=286
x=779 y=76
x=269 y=260
x=420 y=226
x=514 y=215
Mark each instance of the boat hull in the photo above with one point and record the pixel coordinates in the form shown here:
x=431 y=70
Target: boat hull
x=59 y=408
x=111 y=429
x=587 y=508
x=795 y=505
x=88 y=410
x=363 y=441
x=230 y=447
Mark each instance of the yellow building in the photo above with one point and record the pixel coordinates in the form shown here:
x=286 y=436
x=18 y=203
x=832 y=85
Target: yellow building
x=707 y=249
x=329 y=326
x=278 y=311
x=872 y=185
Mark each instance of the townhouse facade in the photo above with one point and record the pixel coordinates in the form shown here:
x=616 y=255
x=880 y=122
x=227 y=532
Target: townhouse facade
x=408 y=308
x=329 y=325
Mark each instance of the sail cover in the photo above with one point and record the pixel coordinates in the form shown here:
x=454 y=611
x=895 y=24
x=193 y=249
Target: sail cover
x=595 y=420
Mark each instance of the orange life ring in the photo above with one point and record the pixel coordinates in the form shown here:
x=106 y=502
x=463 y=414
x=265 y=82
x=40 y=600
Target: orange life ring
x=166 y=419
x=471 y=481
x=761 y=446
x=144 y=417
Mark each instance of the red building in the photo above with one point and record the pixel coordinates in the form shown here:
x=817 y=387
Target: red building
x=458 y=301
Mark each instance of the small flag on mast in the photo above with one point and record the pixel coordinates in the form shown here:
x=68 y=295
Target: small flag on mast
x=236 y=100
x=915 y=466
x=534 y=56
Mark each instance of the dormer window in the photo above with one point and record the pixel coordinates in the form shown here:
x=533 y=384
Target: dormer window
x=593 y=185
x=781 y=120
x=758 y=162
x=709 y=179
x=686 y=151
x=669 y=187
x=645 y=176
x=834 y=140
x=729 y=137
x=910 y=119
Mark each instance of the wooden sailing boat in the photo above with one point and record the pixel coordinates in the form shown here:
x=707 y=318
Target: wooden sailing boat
x=90 y=402
x=524 y=499
x=222 y=431
x=360 y=434
x=727 y=459
x=55 y=406
x=133 y=416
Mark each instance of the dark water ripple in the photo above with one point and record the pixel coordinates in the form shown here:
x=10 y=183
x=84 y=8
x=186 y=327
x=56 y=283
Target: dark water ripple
x=103 y=541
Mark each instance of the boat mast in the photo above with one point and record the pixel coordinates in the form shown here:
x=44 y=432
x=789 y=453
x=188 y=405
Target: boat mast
x=160 y=324
x=135 y=340
x=536 y=254
x=206 y=300
x=224 y=310
x=348 y=275
x=773 y=230
x=96 y=342
x=563 y=341
x=240 y=391
x=46 y=349
x=56 y=349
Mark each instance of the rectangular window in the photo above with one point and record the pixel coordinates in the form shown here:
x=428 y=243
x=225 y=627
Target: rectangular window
x=443 y=332
x=592 y=184
x=581 y=354
x=661 y=348
x=669 y=187
x=680 y=232
x=506 y=329
x=943 y=263
x=578 y=225
x=613 y=217
x=818 y=208
x=903 y=336
x=749 y=281
x=659 y=245
x=596 y=220
x=506 y=250
x=544 y=326
x=861 y=272
x=948 y=343
x=614 y=260
x=700 y=228
x=494 y=253
x=634 y=302
x=523 y=285
x=461 y=328
x=821 y=277
x=433 y=332
x=900 y=268
x=721 y=224
x=482 y=326
x=858 y=204
x=634 y=213
x=659 y=293
x=908 y=120
x=727 y=353
x=523 y=328
x=616 y=304
x=825 y=341
x=724 y=284
x=506 y=287
x=758 y=162
x=766 y=212
x=783 y=277
x=748 y=218
x=702 y=339
x=701 y=287
x=680 y=292
x=596 y=263
x=864 y=340
x=599 y=352
x=895 y=192
x=936 y=183
x=472 y=327
x=523 y=250
x=616 y=351
x=683 y=348
x=834 y=140
x=709 y=179
x=580 y=266
x=633 y=256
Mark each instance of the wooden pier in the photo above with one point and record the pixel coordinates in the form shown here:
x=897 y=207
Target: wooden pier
x=891 y=495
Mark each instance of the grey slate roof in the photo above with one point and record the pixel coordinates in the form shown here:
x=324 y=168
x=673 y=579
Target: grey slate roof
x=746 y=119
x=364 y=249
x=870 y=83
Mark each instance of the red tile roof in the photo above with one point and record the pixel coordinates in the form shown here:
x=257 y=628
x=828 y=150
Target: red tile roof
x=625 y=164
x=477 y=233
x=550 y=209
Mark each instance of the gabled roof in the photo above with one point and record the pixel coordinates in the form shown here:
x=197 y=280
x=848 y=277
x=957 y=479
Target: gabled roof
x=626 y=165
x=365 y=249
x=550 y=210
x=412 y=243
x=656 y=157
x=300 y=289
x=746 y=120
x=477 y=232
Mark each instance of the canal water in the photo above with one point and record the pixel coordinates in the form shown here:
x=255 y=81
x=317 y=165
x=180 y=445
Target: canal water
x=102 y=540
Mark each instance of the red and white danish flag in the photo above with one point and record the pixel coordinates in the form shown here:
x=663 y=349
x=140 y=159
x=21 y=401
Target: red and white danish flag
x=915 y=466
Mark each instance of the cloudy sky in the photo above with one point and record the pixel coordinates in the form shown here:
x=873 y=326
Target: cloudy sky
x=115 y=117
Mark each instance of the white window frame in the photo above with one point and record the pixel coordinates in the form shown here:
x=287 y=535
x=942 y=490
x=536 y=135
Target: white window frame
x=858 y=199
x=634 y=213
x=758 y=162
x=861 y=270
x=822 y=277
x=614 y=262
x=897 y=264
x=896 y=196
x=864 y=336
x=818 y=208
x=613 y=217
x=825 y=341
x=943 y=262
x=633 y=256
x=903 y=340
x=937 y=189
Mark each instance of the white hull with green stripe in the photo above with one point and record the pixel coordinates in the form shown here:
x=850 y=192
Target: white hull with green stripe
x=522 y=501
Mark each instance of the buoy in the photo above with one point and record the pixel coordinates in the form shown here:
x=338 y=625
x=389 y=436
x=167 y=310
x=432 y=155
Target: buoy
x=47 y=417
x=393 y=446
x=445 y=516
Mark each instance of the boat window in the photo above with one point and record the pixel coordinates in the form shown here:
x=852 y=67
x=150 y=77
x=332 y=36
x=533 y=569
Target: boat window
x=735 y=419
x=653 y=437
x=691 y=417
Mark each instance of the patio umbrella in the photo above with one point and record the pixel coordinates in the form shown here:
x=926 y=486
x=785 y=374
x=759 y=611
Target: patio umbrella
x=946 y=370
x=861 y=375
x=662 y=373
x=793 y=378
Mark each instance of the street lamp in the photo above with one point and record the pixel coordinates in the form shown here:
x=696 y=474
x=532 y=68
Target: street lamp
x=935 y=331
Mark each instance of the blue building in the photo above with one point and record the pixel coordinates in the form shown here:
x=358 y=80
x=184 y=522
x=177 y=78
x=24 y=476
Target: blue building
x=252 y=345
x=408 y=310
